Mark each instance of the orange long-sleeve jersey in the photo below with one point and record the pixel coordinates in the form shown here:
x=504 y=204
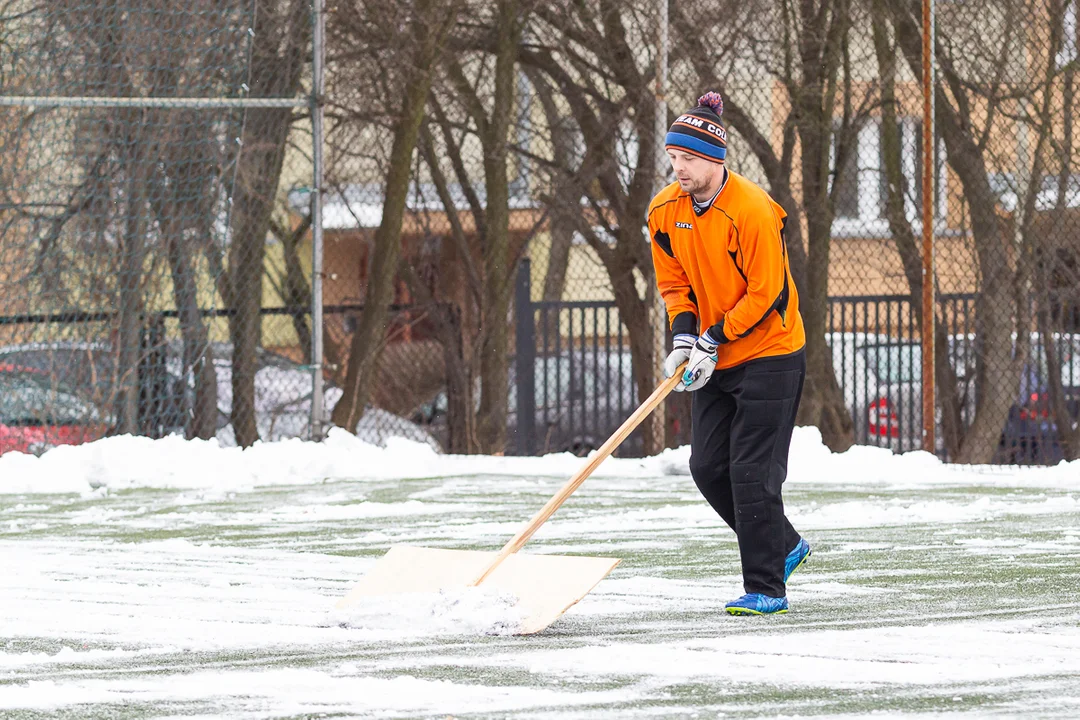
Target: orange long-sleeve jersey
x=727 y=270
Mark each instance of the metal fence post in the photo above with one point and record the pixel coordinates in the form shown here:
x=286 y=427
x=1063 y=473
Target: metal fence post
x=317 y=411
x=525 y=360
x=929 y=304
x=658 y=310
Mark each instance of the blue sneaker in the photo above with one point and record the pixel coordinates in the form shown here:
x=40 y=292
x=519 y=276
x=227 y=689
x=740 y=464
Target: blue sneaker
x=796 y=558
x=757 y=604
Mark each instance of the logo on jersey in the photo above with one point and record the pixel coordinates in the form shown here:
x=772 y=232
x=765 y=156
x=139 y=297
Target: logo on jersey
x=684 y=226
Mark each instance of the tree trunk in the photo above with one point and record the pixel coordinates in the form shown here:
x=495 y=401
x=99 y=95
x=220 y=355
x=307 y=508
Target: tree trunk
x=998 y=374
x=949 y=393
x=641 y=332
x=197 y=356
x=130 y=288
x=171 y=208
x=822 y=402
x=261 y=160
x=822 y=37
x=275 y=72
x=368 y=339
x=639 y=313
x=1068 y=428
x=460 y=423
x=498 y=275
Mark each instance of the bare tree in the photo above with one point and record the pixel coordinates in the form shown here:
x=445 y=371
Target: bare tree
x=280 y=52
x=424 y=24
x=803 y=47
x=1058 y=266
x=566 y=192
x=820 y=32
x=490 y=113
x=950 y=394
x=290 y=281
x=589 y=52
x=151 y=176
x=975 y=88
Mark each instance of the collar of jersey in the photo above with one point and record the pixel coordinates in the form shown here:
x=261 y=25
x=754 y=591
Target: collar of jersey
x=701 y=208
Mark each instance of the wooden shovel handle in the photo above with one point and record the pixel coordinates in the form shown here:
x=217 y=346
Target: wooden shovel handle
x=574 y=483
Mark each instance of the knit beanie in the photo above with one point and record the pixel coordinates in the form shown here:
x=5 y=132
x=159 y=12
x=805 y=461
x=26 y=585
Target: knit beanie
x=699 y=131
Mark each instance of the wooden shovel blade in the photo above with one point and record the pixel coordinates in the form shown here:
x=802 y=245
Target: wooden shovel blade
x=545 y=585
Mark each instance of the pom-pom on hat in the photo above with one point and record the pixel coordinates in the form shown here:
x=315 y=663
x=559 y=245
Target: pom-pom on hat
x=699 y=131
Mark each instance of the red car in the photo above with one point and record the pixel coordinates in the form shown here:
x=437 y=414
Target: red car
x=37 y=413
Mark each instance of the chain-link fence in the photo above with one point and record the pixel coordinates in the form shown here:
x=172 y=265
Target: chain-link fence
x=163 y=255
x=150 y=264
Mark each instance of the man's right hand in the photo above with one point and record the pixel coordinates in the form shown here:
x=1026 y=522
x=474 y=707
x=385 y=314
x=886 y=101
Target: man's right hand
x=680 y=353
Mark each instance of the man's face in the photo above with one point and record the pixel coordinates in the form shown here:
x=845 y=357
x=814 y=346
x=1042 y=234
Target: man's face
x=695 y=174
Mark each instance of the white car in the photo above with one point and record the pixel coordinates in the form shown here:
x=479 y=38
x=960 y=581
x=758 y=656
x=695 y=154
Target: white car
x=282 y=391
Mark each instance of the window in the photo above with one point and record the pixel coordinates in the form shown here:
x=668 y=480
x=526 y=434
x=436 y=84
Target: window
x=844 y=182
x=859 y=195
x=860 y=198
x=519 y=181
x=27 y=400
x=912 y=161
x=1067 y=54
x=894 y=364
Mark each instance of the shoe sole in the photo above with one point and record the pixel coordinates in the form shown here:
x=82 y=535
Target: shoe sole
x=748 y=611
x=801 y=563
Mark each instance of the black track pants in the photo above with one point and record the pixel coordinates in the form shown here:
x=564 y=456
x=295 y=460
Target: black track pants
x=742 y=423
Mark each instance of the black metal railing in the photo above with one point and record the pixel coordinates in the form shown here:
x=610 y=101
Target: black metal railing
x=78 y=350
x=581 y=386
x=574 y=376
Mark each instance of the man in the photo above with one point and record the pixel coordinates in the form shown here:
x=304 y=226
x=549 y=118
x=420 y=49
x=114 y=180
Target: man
x=722 y=269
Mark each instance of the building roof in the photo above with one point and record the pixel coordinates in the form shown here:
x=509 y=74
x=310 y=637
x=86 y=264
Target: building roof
x=360 y=205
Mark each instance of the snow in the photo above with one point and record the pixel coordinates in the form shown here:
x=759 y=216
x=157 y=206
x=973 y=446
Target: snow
x=122 y=463
x=173 y=578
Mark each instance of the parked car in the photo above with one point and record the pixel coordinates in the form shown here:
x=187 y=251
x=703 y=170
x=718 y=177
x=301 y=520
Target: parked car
x=282 y=391
x=889 y=413
x=581 y=399
x=1031 y=435
x=882 y=384
x=87 y=368
x=880 y=379
x=37 y=412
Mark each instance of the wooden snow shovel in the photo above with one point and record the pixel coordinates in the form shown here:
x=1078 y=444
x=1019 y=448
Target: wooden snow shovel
x=545 y=585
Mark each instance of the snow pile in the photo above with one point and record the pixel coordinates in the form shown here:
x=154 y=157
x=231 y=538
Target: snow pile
x=136 y=462
x=810 y=461
x=468 y=610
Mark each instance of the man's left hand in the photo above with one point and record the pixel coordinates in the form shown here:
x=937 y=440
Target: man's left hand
x=702 y=362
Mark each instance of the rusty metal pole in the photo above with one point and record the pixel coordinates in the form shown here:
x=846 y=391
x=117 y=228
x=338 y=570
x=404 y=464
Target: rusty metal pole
x=929 y=313
x=658 y=311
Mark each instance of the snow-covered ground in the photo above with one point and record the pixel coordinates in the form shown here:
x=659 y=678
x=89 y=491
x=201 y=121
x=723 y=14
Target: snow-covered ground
x=154 y=579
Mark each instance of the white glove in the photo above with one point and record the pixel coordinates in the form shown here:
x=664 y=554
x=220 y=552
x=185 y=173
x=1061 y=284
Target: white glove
x=680 y=353
x=702 y=362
